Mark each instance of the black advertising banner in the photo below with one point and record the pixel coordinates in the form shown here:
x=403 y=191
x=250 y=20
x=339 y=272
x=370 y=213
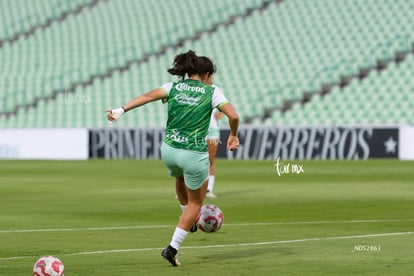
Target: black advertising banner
x=313 y=143
x=258 y=143
x=385 y=143
x=120 y=143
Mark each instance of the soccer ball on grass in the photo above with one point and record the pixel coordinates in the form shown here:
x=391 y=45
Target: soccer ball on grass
x=48 y=266
x=210 y=219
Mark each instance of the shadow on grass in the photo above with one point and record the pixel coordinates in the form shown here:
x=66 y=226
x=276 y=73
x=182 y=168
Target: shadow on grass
x=244 y=253
x=238 y=191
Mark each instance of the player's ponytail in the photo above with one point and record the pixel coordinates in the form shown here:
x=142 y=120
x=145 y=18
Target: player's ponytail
x=185 y=63
x=190 y=64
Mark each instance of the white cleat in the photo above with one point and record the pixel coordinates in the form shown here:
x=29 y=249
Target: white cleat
x=210 y=195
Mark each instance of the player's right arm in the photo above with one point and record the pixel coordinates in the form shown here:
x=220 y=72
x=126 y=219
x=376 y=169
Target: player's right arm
x=153 y=95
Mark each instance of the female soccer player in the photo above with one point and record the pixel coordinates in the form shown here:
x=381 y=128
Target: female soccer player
x=184 y=150
x=213 y=140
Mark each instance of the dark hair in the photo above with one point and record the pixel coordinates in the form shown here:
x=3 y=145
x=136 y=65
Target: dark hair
x=207 y=66
x=189 y=63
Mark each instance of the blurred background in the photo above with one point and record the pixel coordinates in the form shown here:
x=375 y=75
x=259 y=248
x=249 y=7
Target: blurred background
x=281 y=63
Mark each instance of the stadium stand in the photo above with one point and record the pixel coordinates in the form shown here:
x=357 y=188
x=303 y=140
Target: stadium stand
x=280 y=62
x=22 y=18
x=92 y=45
x=382 y=98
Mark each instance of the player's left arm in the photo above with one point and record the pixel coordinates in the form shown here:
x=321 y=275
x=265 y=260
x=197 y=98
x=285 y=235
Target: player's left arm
x=231 y=113
x=218 y=114
x=221 y=102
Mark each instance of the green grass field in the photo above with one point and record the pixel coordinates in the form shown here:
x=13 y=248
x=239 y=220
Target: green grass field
x=114 y=217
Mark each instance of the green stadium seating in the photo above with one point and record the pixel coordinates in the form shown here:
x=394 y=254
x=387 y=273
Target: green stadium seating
x=383 y=98
x=264 y=58
x=102 y=38
x=20 y=16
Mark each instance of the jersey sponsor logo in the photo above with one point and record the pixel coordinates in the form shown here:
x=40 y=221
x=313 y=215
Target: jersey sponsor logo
x=184 y=86
x=176 y=137
x=185 y=99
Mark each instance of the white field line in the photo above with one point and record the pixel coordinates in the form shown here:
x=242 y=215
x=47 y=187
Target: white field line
x=225 y=224
x=225 y=245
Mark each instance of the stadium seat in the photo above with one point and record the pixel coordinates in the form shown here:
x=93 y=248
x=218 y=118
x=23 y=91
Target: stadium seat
x=264 y=58
x=383 y=98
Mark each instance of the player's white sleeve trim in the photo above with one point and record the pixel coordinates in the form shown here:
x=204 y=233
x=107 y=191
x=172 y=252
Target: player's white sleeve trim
x=218 y=98
x=167 y=87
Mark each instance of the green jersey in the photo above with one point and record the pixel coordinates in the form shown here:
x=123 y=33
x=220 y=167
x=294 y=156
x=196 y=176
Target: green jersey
x=190 y=103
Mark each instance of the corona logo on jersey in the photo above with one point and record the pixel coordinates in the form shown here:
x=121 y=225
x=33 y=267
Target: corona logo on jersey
x=184 y=86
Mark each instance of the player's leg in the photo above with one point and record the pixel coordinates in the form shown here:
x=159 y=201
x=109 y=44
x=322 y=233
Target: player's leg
x=212 y=152
x=182 y=196
x=170 y=156
x=181 y=190
x=195 y=167
x=185 y=224
x=195 y=201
